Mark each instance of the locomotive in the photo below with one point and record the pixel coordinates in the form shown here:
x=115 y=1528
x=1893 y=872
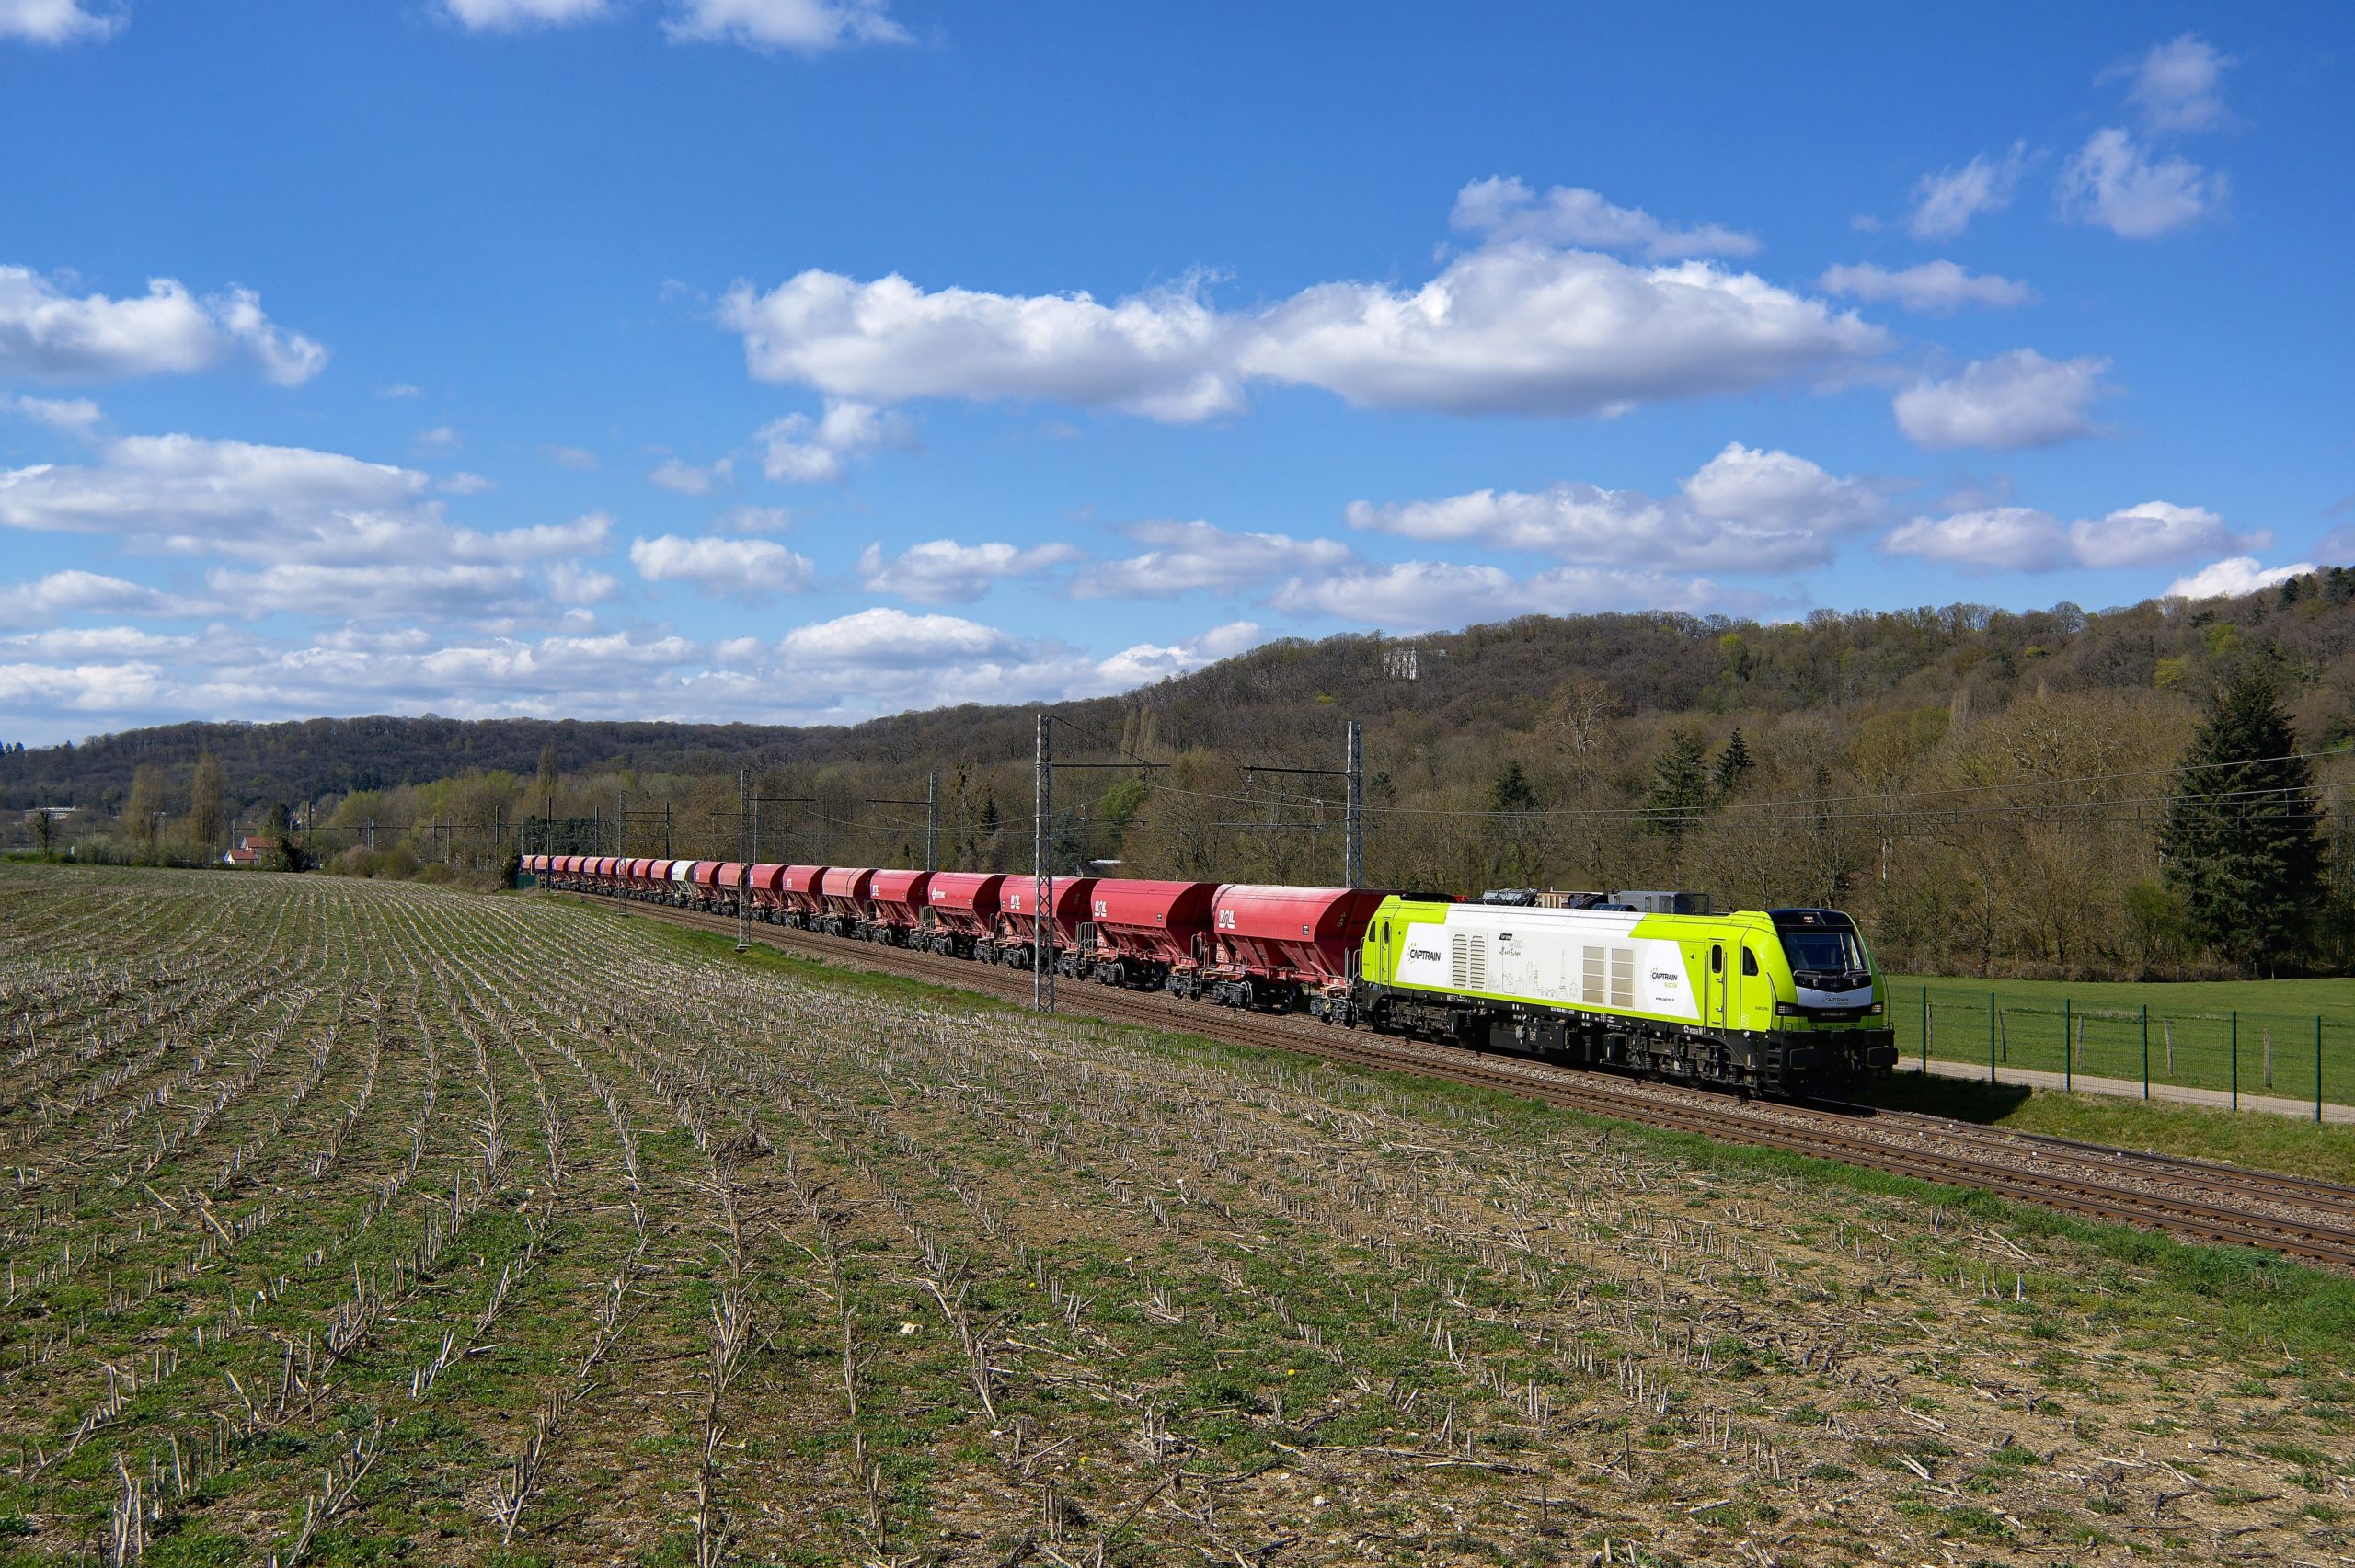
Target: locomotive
x=1782 y=1002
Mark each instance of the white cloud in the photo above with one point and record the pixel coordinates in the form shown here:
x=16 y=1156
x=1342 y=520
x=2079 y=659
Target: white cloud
x=380 y=590
x=1514 y=327
x=1997 y=539
x=941 y=571
x=893 y=639
x=818 y=452
x=56 y=21
x=1572 y=217
x=688 y=479
x=754 y=520
x=75 y=416
x=2010 y=538
x=2152 y=533
x=1186 y=557
x=1745 y=509
x=2177 y=85
x=513 y=15
x=2013 y=400
x=187 y=496
x=1946 y=202
x=399 y=389
x=1147 y=662
x=808 y=26
x=1421 y=596
x=2115 y=184
x=464 y=483
x=1938 y=287
x=2232 y=577
x=572 y=584
x=441 y=437
x=748 y=569
x=50 y=336
x=79 y=593
x=578 y=458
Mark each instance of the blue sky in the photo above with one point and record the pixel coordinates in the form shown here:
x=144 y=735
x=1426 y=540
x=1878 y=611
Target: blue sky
x=802 y=360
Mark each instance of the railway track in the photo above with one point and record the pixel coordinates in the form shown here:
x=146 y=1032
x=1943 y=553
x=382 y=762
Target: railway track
x=2300 y=1217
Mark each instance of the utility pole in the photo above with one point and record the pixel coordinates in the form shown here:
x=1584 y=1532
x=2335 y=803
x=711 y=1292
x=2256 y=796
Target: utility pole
x=932 y=821
x=1353 y=813
x=1042 y=877
x=743 y=865
x=1352 y=770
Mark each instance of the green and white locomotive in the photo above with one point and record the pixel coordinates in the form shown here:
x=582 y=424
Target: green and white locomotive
x=1779 y=1002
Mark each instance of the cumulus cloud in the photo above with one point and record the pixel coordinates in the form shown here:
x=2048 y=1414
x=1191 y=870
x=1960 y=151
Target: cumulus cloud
x=1994 y=539
x=74 y=416
x=2176 y=85
x=57 y=21
x=464 y=483
x=1421 y=596
x=806 y=27
x=514 y=16
x=747 y=570
x=1745 y=509
x=1935 y=288
x=1187 y=557
x=2116 y=184
x=803 y=450
x=449 y=590
x=2153 y=532
x=1946 y=202
x=1572 y=217
x=48 y=335
x=893 y=639
x=184 y=494
x=691 y=479
x=1516 y=326
x=941 y=571
x=1148 y=662
x=578 y=458
x=2010 y=538
x=79 y=593
x=2232 y=577
x=2013 y=400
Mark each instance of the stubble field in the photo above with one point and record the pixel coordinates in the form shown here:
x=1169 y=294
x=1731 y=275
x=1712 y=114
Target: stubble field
x=348 y=1222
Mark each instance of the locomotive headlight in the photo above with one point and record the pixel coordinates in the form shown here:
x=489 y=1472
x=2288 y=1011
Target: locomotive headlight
x=1789 y=1010
x=1875 y=1007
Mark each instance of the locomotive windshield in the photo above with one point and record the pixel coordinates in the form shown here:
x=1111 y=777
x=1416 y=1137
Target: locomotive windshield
x=1820 y=952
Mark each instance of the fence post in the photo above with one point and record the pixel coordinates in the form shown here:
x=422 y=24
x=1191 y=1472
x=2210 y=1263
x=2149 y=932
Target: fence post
x=2146 y=1051
x=1991 y=1036
x=1925 y=1036
x=2236 y=1058
x=2317 y=1066
x=2068 y=1047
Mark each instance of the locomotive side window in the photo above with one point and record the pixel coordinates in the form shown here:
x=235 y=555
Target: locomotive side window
x=1716 y=960
x=1748 y=961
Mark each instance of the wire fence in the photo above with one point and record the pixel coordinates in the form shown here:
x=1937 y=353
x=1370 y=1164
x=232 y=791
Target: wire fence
x=2303 y=1056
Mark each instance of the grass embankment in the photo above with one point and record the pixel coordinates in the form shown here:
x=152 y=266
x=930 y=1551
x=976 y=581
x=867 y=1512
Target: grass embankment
x=2191 y=1036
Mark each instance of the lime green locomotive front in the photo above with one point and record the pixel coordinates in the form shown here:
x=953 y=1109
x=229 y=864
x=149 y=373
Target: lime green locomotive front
x=1776 y=1002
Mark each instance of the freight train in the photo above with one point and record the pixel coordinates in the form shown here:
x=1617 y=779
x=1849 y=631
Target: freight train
x=1776 y=1002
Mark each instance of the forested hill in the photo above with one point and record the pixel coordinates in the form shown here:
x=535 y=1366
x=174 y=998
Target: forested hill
x=1469 y=697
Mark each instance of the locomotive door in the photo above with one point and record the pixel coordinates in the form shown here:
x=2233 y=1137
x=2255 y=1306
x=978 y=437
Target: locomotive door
x=1712 y=988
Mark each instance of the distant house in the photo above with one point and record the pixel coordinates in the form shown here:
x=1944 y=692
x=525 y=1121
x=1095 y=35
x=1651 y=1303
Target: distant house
x=248 y=852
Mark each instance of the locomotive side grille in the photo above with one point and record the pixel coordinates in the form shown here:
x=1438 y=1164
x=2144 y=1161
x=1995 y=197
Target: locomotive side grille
x=1467 y=968
x=1597 y=978
x=1622 y=976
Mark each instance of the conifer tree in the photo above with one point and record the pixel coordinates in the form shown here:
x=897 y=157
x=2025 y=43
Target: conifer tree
x=2242 y=839
x=1680 y=786
x=1733 y=765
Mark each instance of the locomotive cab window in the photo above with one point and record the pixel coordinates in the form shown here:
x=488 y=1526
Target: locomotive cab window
x=1748 y=961
x=1716 y=960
